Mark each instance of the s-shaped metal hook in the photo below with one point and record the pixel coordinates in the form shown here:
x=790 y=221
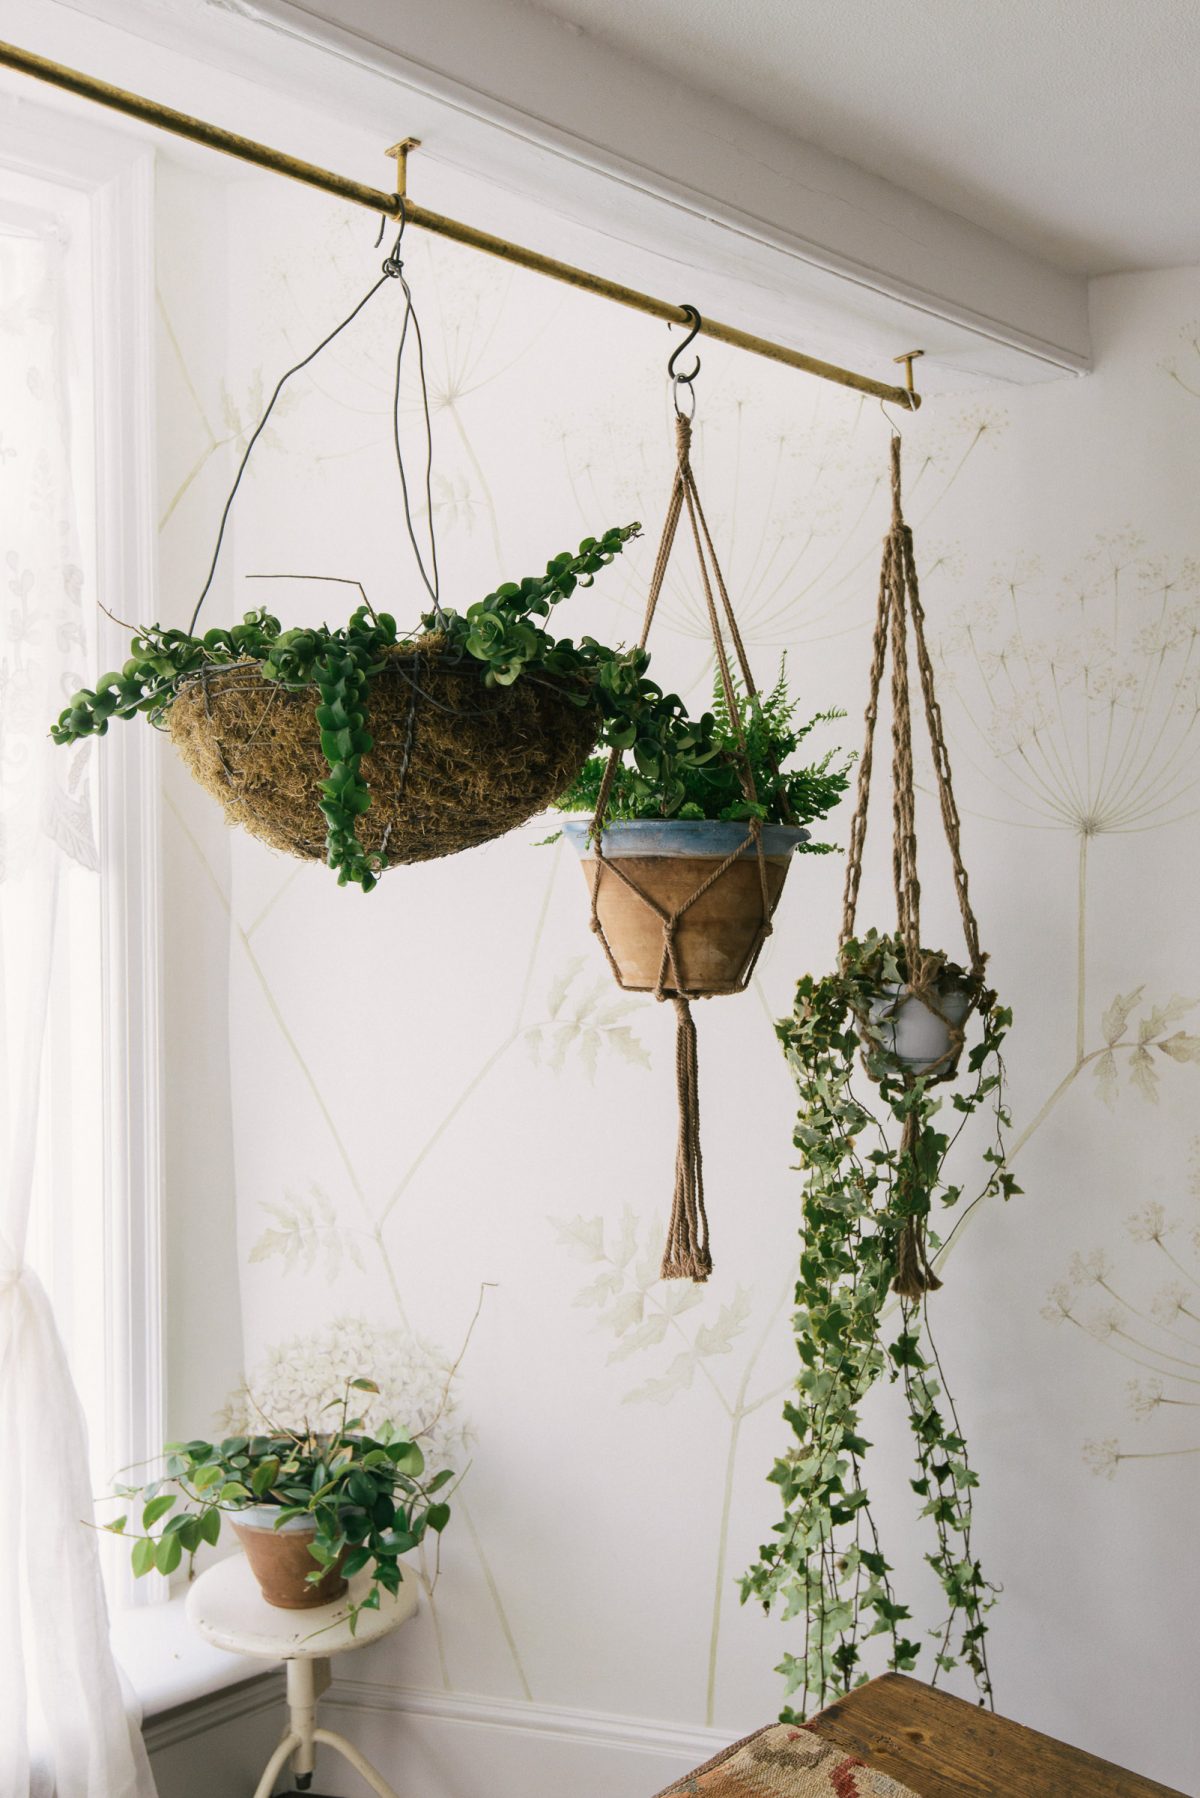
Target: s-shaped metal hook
x=696 y=323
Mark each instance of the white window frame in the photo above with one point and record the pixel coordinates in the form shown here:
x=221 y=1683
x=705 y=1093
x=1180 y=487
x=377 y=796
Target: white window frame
x=115 y=173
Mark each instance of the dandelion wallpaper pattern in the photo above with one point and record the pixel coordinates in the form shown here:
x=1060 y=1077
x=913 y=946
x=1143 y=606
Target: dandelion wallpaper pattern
x=455 y=1177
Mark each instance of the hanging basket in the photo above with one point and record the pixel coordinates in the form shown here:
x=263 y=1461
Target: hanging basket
x=454 y=763
x=682 y=908
x=649 y=871
x=914 y=1003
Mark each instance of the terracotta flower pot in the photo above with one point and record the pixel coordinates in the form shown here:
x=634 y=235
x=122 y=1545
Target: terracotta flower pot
x=281 y=1562
x=717 y=938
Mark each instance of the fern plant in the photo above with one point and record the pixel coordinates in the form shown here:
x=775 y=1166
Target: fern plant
x=707 y=782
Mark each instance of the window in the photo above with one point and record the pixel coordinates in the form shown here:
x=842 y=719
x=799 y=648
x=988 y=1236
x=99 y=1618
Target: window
x=94 y=1217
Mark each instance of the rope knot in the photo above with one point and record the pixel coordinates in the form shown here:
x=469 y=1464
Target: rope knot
x=683 y=435
x=897 y=514
x=393 y=267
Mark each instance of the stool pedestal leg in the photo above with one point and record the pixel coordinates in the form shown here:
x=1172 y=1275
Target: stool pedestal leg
x=361 y=1766
x=275 y=1765
x=306 y=1680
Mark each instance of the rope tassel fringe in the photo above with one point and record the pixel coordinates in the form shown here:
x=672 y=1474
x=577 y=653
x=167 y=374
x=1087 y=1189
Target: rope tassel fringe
x=686 y=1255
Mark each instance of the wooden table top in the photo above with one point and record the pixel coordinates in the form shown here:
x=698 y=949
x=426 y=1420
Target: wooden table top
x=944 y=1747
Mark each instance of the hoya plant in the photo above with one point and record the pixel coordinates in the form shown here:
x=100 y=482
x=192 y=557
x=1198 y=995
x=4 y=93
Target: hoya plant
x=881 y=1152
x=370 y=1497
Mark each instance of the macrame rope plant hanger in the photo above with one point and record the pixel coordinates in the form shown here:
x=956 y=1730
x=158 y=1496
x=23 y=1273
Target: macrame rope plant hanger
x=686 y=1254
x=899 y=608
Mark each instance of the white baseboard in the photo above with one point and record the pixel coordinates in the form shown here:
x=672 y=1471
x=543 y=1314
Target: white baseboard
x=439 y=1744
x=202 y=1716
x=640 y=1735
x=456 y=1745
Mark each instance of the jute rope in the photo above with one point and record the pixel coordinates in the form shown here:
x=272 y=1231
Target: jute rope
x=899 y=606
x=686 y=1255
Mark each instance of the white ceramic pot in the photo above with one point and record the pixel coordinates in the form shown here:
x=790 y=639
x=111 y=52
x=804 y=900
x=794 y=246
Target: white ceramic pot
x=914 y=1036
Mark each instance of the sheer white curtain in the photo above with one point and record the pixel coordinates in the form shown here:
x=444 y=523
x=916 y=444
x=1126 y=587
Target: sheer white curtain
x=64 y=1730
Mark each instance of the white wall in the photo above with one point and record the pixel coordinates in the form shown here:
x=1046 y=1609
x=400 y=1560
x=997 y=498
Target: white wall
x=443 y=1074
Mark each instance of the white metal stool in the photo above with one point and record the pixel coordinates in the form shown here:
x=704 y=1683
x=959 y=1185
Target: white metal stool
x=229 y=1611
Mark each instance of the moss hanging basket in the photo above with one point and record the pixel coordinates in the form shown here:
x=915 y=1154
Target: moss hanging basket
x=453 y=762
x=368 y=750
x=369 y=747
x=652 y=870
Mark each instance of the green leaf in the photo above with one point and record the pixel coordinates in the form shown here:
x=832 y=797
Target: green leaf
x=158 y=1507
x=168 y=1553
x=362 y=1489
x=143 y=1556
x=264 y=1476
x=407 y=1458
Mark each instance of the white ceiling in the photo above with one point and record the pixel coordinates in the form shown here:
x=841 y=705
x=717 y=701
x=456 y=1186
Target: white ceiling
x=1067 y=127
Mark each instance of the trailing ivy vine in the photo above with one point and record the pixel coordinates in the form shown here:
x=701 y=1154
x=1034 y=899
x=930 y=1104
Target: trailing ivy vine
x=827 y=1564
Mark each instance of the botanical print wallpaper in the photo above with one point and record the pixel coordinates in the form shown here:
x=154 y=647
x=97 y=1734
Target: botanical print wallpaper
x=453 y=1135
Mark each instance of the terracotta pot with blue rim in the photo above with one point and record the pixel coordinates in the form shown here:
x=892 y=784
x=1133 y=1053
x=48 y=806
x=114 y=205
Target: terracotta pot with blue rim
x=717 y=937
x=280 y=1560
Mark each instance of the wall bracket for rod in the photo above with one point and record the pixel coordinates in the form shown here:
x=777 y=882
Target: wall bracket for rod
x=908 y=358
x=400 y=152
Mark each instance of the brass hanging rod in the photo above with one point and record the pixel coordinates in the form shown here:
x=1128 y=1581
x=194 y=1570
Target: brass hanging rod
x=198 y=131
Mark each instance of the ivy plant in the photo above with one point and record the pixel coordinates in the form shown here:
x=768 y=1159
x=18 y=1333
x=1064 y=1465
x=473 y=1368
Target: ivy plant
x=827 y=1566
x=505 y=634
x=368 y=1496
x=706 y=782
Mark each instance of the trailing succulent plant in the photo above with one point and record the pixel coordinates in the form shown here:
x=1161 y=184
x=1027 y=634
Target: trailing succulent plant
x=862 y=1195
x=707 y=782
x=504 y=635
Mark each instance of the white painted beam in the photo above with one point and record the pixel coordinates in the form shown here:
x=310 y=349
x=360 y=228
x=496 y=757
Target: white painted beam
x=537 y=133
x=507 y=90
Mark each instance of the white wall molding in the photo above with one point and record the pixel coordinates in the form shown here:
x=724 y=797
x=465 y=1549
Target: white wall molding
x=201 y=1718
x=602 y=1729
x=434 y=1742
x=131 y=807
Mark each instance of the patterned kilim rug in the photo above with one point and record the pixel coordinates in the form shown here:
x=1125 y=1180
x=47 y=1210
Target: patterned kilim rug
x=786 y=1762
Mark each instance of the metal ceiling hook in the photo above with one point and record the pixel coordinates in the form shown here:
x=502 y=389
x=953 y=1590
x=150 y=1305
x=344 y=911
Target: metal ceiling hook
x=696 y=323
